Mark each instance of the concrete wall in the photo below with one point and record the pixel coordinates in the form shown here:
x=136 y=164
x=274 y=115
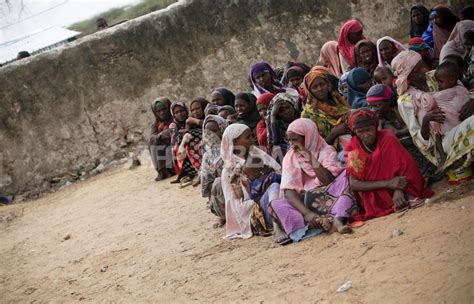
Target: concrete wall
x=71 y=108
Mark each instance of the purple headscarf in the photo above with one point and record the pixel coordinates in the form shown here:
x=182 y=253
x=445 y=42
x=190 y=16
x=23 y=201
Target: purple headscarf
x=260 y=67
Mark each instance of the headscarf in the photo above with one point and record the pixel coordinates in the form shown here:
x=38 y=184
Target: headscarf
x=329 y=57
x=356 y=77
x=202 y=102
x=345 y=47
x=326 y=115
x=442 y=32
x=178 y=104
x=212 y=141
x=467 y=13
x=342 y=82
x=228 y=96
x=362 y=117
x=260 y=67
x=282 y=125
x=360 y=62
x=379 y=92
x=160 y=125
x=262 y=136
x=253 y=117
x=416 y=30
x=398 y=48
x=238 y=211
x=211 y=109
x=265 y=99
x=455 y=43
x=298 y=172
x=418 y=45
x=292 y=72
x=403 y=64
x=229 y=109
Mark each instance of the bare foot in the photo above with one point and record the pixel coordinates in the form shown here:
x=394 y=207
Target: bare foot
x=196 y=181
x=220 y=223
x=325 y=224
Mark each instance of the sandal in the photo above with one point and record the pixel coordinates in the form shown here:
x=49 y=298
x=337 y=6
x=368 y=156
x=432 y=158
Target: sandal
x=356 y=224
x=185 y=181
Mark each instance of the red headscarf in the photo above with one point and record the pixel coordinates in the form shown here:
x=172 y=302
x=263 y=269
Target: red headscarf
x=346 y=48
x=262 y=135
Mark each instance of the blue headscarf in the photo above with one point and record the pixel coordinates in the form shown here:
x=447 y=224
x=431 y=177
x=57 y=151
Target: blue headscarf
x=356 y=77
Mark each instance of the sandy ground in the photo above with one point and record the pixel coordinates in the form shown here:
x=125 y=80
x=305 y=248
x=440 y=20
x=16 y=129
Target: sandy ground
x=121 y=237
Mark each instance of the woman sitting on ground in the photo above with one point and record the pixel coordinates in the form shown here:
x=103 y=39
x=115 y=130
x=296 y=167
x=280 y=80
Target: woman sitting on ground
x=382 y=173
x=412 y=78
x=329 y=58
x=316 y=192
x=246 y=108
x=250 y=181
x=380 y=99
x=264 y=79
x=325 y=106
x=211 y=167
x=184 y=167
x=419 y=20
x=159 y=141
x=442 y=23
x=281 y=112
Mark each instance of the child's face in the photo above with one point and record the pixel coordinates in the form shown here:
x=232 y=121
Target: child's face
x=262 y=110
x=296 y=81
x=444 y=80
x=224 y=114
x=383 y=77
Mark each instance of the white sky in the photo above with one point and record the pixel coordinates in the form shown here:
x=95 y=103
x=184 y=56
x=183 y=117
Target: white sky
x=38 y=14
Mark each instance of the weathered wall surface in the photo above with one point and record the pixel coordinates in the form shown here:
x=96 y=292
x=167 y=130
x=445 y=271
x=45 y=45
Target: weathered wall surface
x=68 y=109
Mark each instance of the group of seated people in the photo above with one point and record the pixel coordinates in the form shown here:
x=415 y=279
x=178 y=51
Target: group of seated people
x=319 y=149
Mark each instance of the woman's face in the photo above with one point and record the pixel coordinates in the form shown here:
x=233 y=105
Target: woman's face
x=286 y=112
x=365 y=86
x=295 y=139
x=262 y=110
x=243 y=143
x=354 y=37
x=264 y=79
x=217 y=99
x=296 y=81
x=387 y=51
x=380 y=108
x=242 y=107
x=368 y=135
x=416 y=16
x=197 y=111
x=417 y=77
x=162 y=112
x=320 y=88
x=180 y=114
x=366 y=54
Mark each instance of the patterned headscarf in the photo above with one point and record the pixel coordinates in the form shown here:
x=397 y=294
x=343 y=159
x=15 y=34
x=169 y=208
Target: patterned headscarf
x=362 y=117
x=282 y=125
x=403 y=64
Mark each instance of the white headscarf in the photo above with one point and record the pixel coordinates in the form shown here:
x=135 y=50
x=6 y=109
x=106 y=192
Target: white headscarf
x=402 y=65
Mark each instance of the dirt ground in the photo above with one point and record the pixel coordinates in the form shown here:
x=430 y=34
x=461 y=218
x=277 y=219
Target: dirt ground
x=122 y=237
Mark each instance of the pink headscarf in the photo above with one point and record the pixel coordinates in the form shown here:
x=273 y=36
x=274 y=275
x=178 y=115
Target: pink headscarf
x=455 y=44
x=298 y=173
x=238 y=211
x=345 y=47
x=329 y=57
x=400 y=47
x=402 y=66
